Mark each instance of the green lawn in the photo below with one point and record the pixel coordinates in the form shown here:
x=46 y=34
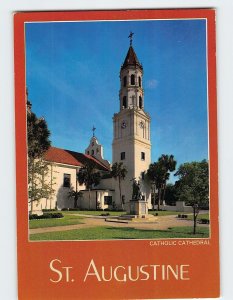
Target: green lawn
x=103 y=233
x=116 y=213
x=200 y=216
x=95 y=212
x=66 y=220
x=164 y=212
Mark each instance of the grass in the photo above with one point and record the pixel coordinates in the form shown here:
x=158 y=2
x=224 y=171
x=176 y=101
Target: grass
x=164 y=212
x=95 y=212
x=116 y=213
x=66 y=220
x=200 y=216
x=105 y=233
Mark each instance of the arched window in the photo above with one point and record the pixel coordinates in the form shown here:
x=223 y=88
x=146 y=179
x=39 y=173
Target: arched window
x=124 y=102
x=125 y=81
x=132 y=79
x=140 y=102
x=139 y=81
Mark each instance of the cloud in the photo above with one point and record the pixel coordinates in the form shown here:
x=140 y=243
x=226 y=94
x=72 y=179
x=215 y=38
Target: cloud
x=152 y=84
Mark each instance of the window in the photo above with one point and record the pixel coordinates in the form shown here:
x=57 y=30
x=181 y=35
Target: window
x=125 y=81
x=140 y=102
x=122 y=155
x=123 y=199
x=66 y=180
x=92 y=152
x=142 y=155
x=143 y=175
x=88 y=152
x=124 y=102
x=108 y=200
x=143 y=197
x=139 y=81
x=132 y=81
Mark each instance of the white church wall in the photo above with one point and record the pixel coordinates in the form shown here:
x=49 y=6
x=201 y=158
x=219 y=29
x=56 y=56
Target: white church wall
x=106 y=183
x=95 y=199
x=60 y=198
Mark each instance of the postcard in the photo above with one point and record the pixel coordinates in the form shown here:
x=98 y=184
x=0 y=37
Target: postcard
x=116 y=142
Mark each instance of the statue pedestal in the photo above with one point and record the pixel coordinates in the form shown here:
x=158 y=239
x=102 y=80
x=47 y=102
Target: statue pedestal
x=137 y=212
x=138 y=208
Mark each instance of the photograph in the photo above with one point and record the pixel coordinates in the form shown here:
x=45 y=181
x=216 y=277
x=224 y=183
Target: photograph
x=117 y=116
x=116 y=154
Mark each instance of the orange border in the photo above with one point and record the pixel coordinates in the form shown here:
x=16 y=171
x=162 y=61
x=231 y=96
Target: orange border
x=34 y=258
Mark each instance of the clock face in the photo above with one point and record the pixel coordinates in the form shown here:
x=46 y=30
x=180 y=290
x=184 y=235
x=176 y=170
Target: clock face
x=123 y=124
x=141 y=124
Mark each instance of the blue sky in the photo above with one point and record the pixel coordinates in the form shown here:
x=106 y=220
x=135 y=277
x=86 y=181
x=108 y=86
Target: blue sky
x=72 y=72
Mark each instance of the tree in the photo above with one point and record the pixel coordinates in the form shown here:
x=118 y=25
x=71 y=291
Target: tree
x=158 y=174
x=75 y=195
x=119 y=172
x=155 y=173
x=87 y=175
x=193 y=186
x=169 y=165
x=39 y=180
x=171 y=195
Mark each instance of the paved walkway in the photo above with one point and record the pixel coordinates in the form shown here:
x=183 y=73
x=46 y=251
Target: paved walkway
x=160 y=223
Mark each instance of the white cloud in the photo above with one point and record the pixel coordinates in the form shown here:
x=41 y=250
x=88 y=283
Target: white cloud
x=152 y=84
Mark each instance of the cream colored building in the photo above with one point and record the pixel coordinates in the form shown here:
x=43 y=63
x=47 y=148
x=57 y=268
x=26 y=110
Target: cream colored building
x=131 y=126
x=131 y=146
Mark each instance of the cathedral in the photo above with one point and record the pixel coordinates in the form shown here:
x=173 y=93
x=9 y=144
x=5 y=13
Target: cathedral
x=131 y=146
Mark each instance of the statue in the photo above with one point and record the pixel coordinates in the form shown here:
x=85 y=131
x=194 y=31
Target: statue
x=137 y=195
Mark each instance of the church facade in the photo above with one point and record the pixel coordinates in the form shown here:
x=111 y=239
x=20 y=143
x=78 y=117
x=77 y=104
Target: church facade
x=131 y=146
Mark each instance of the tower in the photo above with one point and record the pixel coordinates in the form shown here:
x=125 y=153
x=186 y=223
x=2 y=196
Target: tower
x=96 y=150
x=131 y=127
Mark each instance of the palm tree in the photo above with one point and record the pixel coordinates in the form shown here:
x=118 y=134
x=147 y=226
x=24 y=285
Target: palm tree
x=169 y=165
x=75 y=195
x=158 y=174
x=87 y=175
x=119 y=172
x=155 y=173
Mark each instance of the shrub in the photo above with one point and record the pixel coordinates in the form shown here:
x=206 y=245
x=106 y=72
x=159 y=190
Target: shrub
x=46 y=216
x=182 y=216
x=204 y=221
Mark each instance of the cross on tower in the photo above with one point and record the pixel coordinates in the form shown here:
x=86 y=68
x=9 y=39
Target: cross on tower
x=93 y=129
x=131 y=37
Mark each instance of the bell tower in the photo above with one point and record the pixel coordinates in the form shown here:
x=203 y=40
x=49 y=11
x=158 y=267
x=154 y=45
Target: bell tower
x=131 y=126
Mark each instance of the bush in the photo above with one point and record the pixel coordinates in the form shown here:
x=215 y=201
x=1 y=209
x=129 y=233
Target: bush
x=46 y=216
x=182 y=216
x=204 y=221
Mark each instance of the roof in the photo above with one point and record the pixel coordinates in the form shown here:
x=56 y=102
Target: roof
x=131 y=59
x=68 y=157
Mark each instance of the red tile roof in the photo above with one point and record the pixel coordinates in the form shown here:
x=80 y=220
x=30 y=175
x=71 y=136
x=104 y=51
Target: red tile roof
x=72 y=158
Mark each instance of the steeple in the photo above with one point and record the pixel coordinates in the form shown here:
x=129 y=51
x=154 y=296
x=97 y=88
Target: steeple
x=131 y=59
x=131 y=90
